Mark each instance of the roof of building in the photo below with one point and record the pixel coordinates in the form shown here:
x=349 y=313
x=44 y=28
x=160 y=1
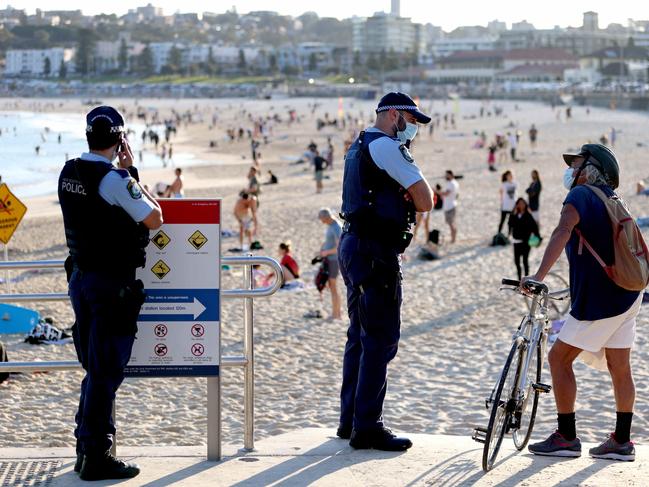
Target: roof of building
x=538 y=54
x=617 y=52
x=531 y=70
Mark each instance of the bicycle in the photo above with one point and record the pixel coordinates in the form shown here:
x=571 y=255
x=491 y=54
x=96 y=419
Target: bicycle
x=514 y=399
x=556 y=309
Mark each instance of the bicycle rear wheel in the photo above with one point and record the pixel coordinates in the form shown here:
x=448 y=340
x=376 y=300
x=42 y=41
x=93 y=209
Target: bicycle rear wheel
x=502 y=409
x=525 y=414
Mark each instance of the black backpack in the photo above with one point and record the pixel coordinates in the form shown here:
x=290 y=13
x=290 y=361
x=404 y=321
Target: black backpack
x=499 y=240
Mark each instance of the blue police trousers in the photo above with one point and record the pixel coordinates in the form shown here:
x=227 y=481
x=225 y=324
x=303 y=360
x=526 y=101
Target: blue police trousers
x=103 y=334
x=371 y=272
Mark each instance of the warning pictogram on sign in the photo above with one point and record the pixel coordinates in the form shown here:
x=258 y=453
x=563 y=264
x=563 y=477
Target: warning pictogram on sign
x=160 y=269
x=160 y=331
x=197 y=239
x=198 y=330
x=161 y=240
x=12 y=212
x=160 y=349
x=197 y=349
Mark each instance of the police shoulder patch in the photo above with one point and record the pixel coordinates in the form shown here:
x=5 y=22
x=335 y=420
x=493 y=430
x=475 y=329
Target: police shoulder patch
x=134 y=189
x=406 y=153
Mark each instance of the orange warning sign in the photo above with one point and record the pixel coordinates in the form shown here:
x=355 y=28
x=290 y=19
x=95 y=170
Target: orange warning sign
x=12 y=212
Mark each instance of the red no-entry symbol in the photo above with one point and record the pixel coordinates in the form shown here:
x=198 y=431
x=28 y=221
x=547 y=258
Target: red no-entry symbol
x=197 y=349
x=160 y=350
x=198 y=330
x=160 y=331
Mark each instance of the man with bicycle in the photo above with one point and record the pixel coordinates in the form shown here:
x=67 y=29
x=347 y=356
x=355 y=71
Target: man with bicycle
x=601 y=325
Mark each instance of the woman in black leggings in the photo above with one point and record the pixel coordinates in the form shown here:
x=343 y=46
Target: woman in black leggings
x=507 y=197
x=521 y=226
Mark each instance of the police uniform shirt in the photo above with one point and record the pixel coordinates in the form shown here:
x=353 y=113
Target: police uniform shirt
x=389 y=154
x=118 y=188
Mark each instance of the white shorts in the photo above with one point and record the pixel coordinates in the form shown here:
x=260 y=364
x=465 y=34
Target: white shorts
x=593 y=337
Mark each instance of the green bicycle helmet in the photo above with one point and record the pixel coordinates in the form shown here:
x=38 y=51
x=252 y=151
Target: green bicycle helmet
x=602 y=158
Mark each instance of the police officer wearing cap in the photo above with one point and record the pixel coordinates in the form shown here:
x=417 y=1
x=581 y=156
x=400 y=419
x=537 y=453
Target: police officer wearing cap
x=107 y=216
x=382 y=190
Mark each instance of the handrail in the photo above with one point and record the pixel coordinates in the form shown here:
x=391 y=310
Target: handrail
x=213 y=389
x=226 y=293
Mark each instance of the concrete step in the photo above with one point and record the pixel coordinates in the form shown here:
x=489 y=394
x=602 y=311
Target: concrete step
x=315 y=456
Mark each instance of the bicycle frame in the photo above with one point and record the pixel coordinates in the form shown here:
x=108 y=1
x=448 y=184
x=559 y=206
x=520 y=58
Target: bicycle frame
x=537 y=319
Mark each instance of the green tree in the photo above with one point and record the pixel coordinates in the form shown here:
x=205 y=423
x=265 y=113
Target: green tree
x=242 y=60
x=272 y=63
x=42 y=38
x=85 y=50
x=145 y=62
x=313 y=62
x=174 y=60
x=63 y=70
x=122 y=57
x=47 y=67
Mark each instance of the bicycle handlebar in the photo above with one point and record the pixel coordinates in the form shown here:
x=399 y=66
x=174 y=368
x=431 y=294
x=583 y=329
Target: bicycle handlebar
x=535 y=287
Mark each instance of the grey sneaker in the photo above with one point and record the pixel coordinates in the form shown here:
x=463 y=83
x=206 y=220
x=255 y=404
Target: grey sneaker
x=613 y=450
x=557 y=446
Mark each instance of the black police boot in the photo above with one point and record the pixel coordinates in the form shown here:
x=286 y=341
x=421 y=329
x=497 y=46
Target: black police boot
x=106 y=466
x=379 y=439
x=78 y=463
x=344 y=432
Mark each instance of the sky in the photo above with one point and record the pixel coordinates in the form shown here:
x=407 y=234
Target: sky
x=448 y=15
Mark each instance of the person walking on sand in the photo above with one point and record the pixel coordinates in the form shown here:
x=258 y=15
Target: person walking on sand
x=534 y=196
x=600 y=328
x=319 y=165
x=382 y=190
x=507 y=197
x=329 y=251
x=449 y=202
x=245 y=211
x=521 y=227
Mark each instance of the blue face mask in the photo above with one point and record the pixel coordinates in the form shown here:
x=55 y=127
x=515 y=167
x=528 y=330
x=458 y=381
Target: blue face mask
x=408 y=133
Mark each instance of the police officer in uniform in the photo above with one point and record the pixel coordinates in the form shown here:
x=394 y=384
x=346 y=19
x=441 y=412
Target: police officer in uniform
x=107 y=217
x=382 y=191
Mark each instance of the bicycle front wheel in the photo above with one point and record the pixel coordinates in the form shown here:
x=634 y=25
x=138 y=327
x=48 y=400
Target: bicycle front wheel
x=503 y=405
x=525 y=413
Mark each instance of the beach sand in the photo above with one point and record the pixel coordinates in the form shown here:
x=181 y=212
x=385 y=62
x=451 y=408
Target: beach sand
x=456 y=325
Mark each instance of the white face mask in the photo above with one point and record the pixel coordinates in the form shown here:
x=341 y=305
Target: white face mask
x=408 y=133
x=568 y=178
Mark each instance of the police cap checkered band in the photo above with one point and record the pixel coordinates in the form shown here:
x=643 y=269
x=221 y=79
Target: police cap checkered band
x=104 y=119
x=401 y=101
x=396 y=107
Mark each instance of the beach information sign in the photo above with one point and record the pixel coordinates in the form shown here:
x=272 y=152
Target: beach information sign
x=12 y=211
x=179 y=323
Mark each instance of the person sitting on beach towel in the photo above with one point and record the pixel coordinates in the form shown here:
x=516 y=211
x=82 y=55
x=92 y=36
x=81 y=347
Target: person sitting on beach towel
x=290 y=268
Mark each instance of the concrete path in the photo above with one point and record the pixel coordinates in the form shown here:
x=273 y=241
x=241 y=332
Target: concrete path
x=316 y=457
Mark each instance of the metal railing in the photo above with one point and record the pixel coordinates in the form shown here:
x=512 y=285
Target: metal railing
x=248 y=293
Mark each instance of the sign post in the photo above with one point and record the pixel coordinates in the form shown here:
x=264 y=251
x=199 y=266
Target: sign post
x=12 y=211
x=179 y=329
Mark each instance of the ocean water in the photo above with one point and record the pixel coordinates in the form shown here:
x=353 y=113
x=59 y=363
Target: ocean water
x=30 y=174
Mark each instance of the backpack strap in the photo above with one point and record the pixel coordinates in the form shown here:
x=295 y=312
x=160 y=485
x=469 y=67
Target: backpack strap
x=584 y=242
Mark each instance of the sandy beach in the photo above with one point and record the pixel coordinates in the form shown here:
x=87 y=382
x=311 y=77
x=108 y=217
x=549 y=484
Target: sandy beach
x=456 y=325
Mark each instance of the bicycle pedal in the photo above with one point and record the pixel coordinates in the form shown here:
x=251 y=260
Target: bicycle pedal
x=538 y=387
x=479 y=435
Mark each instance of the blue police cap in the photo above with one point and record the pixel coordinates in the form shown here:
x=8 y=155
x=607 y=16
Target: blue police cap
x=402 y=102
x=104 y=120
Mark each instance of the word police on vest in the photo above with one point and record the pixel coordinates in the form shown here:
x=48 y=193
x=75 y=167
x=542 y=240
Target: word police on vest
x=71 y=186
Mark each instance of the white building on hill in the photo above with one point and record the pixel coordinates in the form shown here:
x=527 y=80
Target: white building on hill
x=32 y=62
